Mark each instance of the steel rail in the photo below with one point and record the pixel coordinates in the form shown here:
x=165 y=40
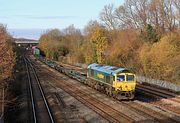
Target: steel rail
x=41 y=90
x=31 y=93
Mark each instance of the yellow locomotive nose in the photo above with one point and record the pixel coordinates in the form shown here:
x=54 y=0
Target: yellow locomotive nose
x=120 y=88
x=124 y=86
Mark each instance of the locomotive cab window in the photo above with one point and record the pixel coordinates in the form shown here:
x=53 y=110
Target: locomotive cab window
x=121 y=78
x=130 y=77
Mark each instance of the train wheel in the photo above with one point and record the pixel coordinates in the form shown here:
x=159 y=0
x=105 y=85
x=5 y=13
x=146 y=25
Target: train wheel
x=97 y=86
x=85 y=82
x=131 y=96
x=103 y=89
x=93 y=84
x=88 y=82
x=118 y=97
x=108 y=91
x=113 y=94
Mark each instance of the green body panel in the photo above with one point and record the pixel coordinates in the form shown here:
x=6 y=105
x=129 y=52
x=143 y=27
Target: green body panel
x=102 y=82
x=36 y=52
x=101 y=77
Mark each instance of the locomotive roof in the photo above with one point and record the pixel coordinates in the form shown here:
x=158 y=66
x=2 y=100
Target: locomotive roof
x=106 y=68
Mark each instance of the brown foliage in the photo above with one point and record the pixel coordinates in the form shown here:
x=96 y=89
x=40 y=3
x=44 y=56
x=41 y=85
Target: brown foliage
x=6 y=54
x=123 y=48
x=56 y=44
x=161 y=60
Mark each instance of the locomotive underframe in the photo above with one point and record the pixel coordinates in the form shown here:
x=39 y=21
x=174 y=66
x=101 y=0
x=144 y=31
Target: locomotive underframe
x=109 y=90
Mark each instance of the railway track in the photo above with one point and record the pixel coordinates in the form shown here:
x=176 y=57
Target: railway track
x=104 y=110
x=149 y=90
x=158 y=93
x=154 y=93
x=88 y=100
x=101 y=108
x=157 y=116
x=39 y=106
x=83 y=97
x=116 y=114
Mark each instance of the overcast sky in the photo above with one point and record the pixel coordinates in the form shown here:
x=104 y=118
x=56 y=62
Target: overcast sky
x=45 y=14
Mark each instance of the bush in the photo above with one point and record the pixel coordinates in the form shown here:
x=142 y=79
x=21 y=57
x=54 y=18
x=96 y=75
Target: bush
x=161 y=60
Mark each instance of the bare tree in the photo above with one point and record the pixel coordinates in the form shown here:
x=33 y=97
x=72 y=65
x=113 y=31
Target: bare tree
x=177 y=6
x=170 y=15
x=107 y=17
x=162 y=15
x=133 y=14
x=141 y=9
x=139 y=14
x=124 y=18
x=73 y=36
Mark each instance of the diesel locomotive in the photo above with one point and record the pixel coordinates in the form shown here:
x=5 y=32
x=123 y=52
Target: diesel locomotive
x=116 y=82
